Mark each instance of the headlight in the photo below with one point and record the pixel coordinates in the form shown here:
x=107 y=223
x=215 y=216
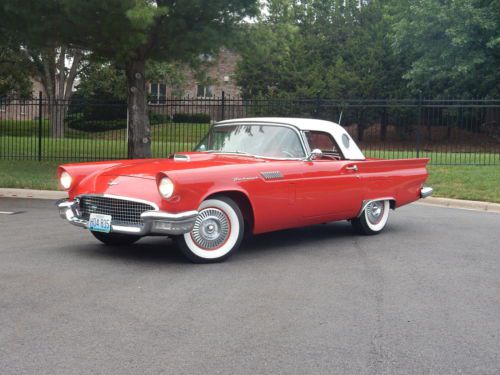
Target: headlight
x=65 y=179
x=166 y=187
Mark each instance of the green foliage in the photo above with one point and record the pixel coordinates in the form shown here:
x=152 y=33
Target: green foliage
x=194 y=118
x=319 y=48
x=82 y=124
x=158 y=118
x=452 y=46
x=102 y=80
x=14 y=71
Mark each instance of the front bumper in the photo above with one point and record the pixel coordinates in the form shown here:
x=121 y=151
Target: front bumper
x=425 y=192
x=155 y=222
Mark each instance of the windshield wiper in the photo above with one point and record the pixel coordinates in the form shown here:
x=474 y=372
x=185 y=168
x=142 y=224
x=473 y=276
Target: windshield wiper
x=232 y=152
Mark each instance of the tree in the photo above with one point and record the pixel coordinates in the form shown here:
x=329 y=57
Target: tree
x=129 y=33
x=320 y=48
x=14 y=72
x=452 y=46
x=57 y=68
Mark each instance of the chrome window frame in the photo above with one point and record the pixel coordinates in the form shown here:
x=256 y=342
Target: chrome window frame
x=297 y=131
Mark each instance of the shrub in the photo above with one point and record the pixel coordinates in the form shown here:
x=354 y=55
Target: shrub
x=158 y=118
x=82 y=124
x=194 y=118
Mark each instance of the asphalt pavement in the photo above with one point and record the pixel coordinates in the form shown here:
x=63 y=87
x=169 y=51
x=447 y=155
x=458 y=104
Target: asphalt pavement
x=423 y=297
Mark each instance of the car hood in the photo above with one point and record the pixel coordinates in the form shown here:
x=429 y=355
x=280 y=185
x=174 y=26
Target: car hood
x=149 y=168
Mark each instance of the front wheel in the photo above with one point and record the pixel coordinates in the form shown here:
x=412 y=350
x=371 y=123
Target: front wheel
x=115 y=239
x=373 y=218
x=216 y=234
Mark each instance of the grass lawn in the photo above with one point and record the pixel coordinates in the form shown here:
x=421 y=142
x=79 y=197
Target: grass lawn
x=480 y=183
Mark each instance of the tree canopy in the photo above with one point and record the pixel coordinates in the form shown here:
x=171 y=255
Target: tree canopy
x=373 y=49
x=128 y=33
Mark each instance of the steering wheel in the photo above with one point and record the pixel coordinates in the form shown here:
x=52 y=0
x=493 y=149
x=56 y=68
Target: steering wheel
x=331 y=157
x=287 y=153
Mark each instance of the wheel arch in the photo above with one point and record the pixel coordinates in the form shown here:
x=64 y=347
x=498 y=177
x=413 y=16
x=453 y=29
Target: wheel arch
x=392 y=203
x=243 y=202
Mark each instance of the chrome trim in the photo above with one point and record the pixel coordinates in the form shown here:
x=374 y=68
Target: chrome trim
x=120 y=197
x=426 y=191
x=169 y=216
x=155 y=222
x=314 y=155
x=368 y=201
x=272 y=175
x=181 y=157
x=352 y=168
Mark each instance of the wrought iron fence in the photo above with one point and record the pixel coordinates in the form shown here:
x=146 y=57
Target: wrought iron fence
x=450 y=132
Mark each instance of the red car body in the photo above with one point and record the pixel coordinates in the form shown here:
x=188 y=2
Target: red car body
x=271 y=193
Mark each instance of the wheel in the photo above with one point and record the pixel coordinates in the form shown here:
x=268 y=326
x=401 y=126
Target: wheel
x=216 y=234
x=115 y=239
x=373 y=218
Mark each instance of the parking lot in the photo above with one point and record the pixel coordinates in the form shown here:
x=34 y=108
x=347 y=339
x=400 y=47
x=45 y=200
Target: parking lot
x=421 y=298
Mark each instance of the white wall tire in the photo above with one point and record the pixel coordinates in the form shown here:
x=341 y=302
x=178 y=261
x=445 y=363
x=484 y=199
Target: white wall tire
x=373 y=218
x=217 y=233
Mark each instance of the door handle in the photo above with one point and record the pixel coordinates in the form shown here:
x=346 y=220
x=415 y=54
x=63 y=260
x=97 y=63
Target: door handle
x=352 y=168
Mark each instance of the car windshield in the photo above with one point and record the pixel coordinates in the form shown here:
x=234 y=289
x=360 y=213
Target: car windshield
x=272 y=141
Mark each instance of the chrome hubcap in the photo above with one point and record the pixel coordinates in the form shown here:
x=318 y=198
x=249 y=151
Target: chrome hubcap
x=211 y=228
x=375 y=211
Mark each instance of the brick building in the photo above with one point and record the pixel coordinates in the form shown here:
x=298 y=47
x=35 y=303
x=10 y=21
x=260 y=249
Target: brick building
x=220 y=71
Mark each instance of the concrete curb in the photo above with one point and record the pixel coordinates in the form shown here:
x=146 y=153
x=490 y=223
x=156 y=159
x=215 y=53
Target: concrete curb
x=431 y=201
x=30 y=193
x=462 y=204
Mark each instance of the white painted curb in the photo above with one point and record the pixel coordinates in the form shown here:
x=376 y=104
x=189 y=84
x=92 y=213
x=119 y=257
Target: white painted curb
x=30 y=193
x=462 y=204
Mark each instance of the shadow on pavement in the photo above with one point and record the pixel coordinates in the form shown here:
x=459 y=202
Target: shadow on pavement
x=161 y=249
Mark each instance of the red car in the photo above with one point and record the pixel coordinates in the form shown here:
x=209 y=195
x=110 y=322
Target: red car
x=251 y=175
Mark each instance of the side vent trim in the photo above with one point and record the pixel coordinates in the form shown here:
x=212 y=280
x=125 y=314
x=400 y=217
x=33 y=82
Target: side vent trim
x=273 y=175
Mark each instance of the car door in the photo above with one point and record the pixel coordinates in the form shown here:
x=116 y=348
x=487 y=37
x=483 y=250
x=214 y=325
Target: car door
x=330 y=189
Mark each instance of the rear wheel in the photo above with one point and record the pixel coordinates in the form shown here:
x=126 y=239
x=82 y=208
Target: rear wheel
x=373 y=218
x=217 y=232
x=115 y=239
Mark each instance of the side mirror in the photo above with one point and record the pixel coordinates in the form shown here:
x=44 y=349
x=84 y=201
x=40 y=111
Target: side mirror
x=315 y=155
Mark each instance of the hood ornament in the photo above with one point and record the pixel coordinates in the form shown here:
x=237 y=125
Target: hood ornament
x=111 y=183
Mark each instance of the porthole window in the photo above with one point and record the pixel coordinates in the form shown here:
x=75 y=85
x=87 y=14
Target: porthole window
x=346 y=141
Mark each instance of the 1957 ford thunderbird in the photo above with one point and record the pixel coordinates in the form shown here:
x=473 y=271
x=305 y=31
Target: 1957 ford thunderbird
x=250 y=175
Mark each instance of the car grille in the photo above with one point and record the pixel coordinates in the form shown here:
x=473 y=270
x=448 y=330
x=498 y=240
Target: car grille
x=123 y=212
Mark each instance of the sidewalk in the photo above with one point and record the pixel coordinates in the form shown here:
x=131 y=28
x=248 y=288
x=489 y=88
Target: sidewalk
x=432 y=201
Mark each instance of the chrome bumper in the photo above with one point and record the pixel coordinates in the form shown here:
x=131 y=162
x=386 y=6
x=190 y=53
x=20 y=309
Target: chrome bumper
x=425 y=192
x=155 y=222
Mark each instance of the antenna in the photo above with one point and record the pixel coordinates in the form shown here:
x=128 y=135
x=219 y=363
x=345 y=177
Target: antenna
x=340 y=117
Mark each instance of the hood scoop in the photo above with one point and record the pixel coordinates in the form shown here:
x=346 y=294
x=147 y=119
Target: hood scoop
x=181 y=157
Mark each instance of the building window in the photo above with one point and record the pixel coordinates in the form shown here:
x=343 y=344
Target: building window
x=22 y=105
x=3 y=105
x=204 y=91
x=158 y=93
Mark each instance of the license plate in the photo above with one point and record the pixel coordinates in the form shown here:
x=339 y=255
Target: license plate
x=100 y=223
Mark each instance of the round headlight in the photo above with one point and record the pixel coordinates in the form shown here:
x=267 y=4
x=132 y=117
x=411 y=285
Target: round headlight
x=65 y=180
x=166 y=187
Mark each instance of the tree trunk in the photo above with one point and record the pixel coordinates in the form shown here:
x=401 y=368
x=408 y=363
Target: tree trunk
x=57 y=113
x=139 y=132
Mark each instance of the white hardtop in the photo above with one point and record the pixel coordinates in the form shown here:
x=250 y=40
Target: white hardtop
x=346 y=144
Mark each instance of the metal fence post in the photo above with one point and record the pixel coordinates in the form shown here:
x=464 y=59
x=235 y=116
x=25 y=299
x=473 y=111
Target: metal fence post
x=419 y=125
x=223 y=107
x=40 y=126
